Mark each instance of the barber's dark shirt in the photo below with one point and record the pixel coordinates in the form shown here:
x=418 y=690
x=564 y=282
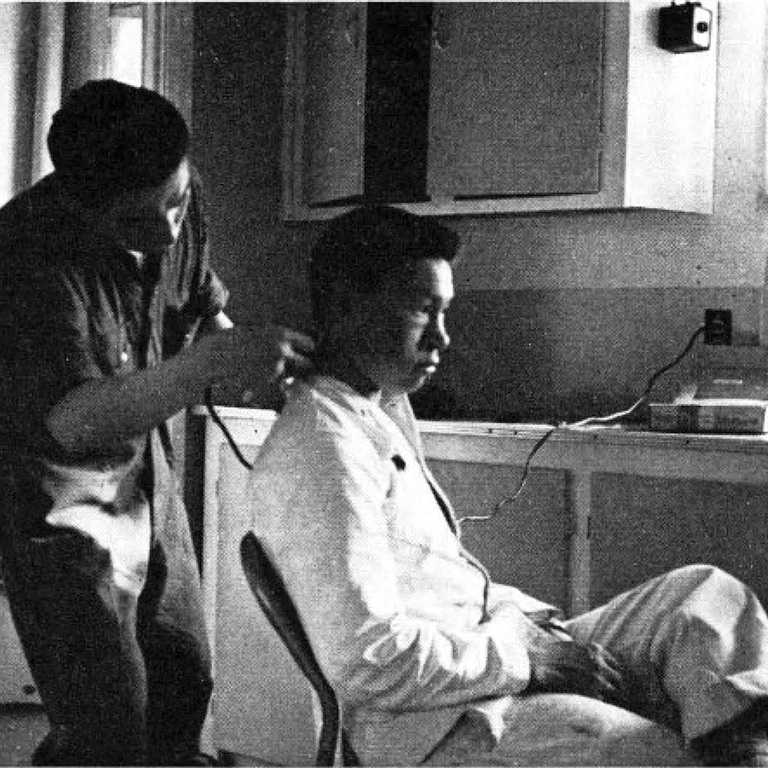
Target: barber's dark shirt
x=75 y=307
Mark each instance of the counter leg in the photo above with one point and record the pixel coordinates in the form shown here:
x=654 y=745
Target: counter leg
x=578 y=504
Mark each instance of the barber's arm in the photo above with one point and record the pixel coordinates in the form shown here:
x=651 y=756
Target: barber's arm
x=104 y=412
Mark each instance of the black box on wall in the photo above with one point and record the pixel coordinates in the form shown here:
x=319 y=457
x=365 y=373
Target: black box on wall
x=685 y=28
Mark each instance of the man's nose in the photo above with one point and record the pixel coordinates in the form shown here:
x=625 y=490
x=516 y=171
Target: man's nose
x=439 y=336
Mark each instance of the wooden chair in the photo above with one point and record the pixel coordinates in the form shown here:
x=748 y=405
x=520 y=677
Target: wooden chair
x=270 y=592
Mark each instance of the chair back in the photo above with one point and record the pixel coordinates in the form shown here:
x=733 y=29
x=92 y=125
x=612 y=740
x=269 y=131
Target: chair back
x=272 y=595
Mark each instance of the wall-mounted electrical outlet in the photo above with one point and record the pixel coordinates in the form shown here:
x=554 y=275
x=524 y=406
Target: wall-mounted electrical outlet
x=718 y=326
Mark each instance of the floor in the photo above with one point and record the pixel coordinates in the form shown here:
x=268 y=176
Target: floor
x=22 y=726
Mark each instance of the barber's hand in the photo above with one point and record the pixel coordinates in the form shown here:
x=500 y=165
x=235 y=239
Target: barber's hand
x=561 y=666
x=296 y=350
x=271 y=353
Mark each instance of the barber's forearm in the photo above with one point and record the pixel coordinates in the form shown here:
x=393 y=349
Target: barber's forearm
x=103 y=413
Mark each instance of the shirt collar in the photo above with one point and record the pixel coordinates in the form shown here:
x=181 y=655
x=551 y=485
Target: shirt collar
x=344 y=393
x=397 y=412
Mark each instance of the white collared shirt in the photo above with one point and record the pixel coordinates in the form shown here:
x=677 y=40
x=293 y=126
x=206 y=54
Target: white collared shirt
x=402 y=619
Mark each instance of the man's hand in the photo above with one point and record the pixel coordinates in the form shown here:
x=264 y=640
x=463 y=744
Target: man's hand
x=268 y=353
x=563 y=666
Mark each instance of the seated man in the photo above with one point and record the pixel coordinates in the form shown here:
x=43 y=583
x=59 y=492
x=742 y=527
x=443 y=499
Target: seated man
x=431 y=660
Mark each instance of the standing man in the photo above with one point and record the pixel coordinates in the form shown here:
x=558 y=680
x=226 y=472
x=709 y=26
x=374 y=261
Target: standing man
x=105 y=283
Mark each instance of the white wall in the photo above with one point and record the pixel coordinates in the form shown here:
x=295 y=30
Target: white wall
x=642 y=249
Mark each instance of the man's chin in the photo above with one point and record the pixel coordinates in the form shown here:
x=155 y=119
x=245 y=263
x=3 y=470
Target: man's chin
x=402 y=388
x=418 y=380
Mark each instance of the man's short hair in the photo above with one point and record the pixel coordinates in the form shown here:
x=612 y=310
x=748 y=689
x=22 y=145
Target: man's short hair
x=360 y=251
x=109 y=137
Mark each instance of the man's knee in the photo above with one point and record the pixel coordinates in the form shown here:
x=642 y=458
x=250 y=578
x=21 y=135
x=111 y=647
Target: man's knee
x=179 y=659
x=708 y=595
x=703 y=576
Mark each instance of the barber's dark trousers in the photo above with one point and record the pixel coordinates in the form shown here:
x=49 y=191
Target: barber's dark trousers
x=123 y=681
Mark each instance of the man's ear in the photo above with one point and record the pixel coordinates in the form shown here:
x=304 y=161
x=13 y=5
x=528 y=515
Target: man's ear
x=347 y=313
x=336 y=317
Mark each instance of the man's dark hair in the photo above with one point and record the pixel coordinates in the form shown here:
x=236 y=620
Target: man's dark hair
x=361 y=250
x=109 y=137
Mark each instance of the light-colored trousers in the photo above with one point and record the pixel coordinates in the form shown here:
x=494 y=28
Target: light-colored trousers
x=696 y=638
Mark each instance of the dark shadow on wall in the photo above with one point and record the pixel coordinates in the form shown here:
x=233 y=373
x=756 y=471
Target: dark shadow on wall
x=552 y=356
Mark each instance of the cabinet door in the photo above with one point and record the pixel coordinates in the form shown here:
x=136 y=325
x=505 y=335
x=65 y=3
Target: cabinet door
x=527 y=545
x=642 y=527
x=334 y=99
x=515 y=100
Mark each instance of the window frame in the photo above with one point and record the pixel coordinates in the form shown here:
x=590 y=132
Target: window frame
x=167 y=43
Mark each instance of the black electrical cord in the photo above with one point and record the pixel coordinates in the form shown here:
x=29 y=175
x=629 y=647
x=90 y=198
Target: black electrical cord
x=610 y=419
x=223 y=427
x=615 y=417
